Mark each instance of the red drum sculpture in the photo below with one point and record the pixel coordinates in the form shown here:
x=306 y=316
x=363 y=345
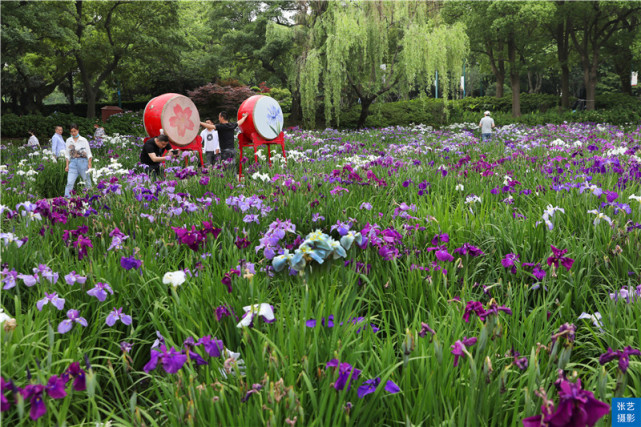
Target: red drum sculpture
x=178 y=118
x=263 y=126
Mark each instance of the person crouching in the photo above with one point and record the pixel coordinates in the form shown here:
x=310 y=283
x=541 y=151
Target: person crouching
x=151 y=154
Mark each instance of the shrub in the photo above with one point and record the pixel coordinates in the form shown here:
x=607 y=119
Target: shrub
x=213 y=97
x=283 y=96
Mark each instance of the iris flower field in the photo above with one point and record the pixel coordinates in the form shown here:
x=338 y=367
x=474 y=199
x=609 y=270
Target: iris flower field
x=396 y=276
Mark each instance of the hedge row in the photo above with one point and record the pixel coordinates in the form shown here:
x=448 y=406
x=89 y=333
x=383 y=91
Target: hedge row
x=81 y=109
x=14 y=126
x=535 y=108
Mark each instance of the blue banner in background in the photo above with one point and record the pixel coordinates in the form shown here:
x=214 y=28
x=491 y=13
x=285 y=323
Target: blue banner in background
x=626 y=412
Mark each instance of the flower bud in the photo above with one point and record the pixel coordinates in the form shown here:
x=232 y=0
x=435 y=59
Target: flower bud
x=487 y=369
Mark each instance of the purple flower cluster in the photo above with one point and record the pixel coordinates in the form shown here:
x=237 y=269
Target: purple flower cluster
x=173 y=360
x=347 y=372
x=329 y=323
x=35 y=393
x=476 y=307
x=195 y=239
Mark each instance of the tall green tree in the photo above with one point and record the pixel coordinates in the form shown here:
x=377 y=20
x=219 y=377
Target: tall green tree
x=374 y=48
x=593 y=26
x=107 y=32
x=36 y=40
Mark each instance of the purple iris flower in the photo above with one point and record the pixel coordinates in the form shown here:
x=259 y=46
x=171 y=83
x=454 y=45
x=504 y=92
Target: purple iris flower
x=213 y=347
x=577 y=408
x=443 y=255
x=222 y=311
x=366 y=205
x=494 y=308
x=125 y=347
x=559 y=258
x=567 y=330
x=622 y=355
x=425 y=328
x=56 y=387
x=29 y=279
x=100 y=291
x=172 y=360
x=73 y=317
x=509 y=262
x=473 y=250
x=46 y=273
x=9 y=279
x=345 y=372
x=370 y=386
x=59 y=303
x=115 y=315
x=73 y=278
x=34 y=393
x=129 y=263
x=459 y=346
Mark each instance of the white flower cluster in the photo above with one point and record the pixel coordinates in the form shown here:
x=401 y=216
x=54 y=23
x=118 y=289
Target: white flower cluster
x=114 y=168
x=358 y=161
x=116 y=139
x=262 y=176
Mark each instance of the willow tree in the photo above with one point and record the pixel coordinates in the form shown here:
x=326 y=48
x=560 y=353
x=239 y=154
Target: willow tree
x=374 y=48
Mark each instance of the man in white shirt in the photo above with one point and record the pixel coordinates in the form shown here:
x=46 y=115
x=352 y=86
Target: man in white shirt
x=57 y=142
x=211 y=143
x=78 y=156
x=486 y=124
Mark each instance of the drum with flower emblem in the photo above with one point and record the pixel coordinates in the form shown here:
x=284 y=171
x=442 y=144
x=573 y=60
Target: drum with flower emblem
x=175 y=114
x=264 y=116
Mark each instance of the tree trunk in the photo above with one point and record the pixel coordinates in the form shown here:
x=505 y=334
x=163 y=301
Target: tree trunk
x=623 y=66
x=70 y=96
x=590 y=89
x=500 y=81
x=91 y=102
x=296 y=113
x=565 y=86
x=515 y=80
x=365 y=104
x=562 y=36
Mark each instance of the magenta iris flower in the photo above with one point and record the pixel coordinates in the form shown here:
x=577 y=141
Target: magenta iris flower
x=222 y=311
x=459 y=346
x=473 y=307
x=577 y=408
x=73 y=278
x=75 y=372
x=73 y=317
x=100 y=291
x=467 y=248
x=567 y=330
x=117 y=314
x=59 y=303
x=82 y=245
x=622 y=355
x=559 y=258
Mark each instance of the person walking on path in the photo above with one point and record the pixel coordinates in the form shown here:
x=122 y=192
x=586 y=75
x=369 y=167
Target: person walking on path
x=33 y=141
x=78 y=157
x=57 y=142
x=226 y=134
x=486 y=124
x=212 y=145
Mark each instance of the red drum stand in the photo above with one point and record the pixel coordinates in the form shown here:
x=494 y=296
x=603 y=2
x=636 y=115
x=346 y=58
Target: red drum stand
x=255 y=141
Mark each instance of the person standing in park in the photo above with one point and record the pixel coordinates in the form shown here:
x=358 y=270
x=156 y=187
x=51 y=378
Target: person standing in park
x=78 y=157
x=33 y=141
x=151 y=154
x=212 y=145
x=226 y=133
x=486 y=124
x=57 y=142
x=99 y=133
